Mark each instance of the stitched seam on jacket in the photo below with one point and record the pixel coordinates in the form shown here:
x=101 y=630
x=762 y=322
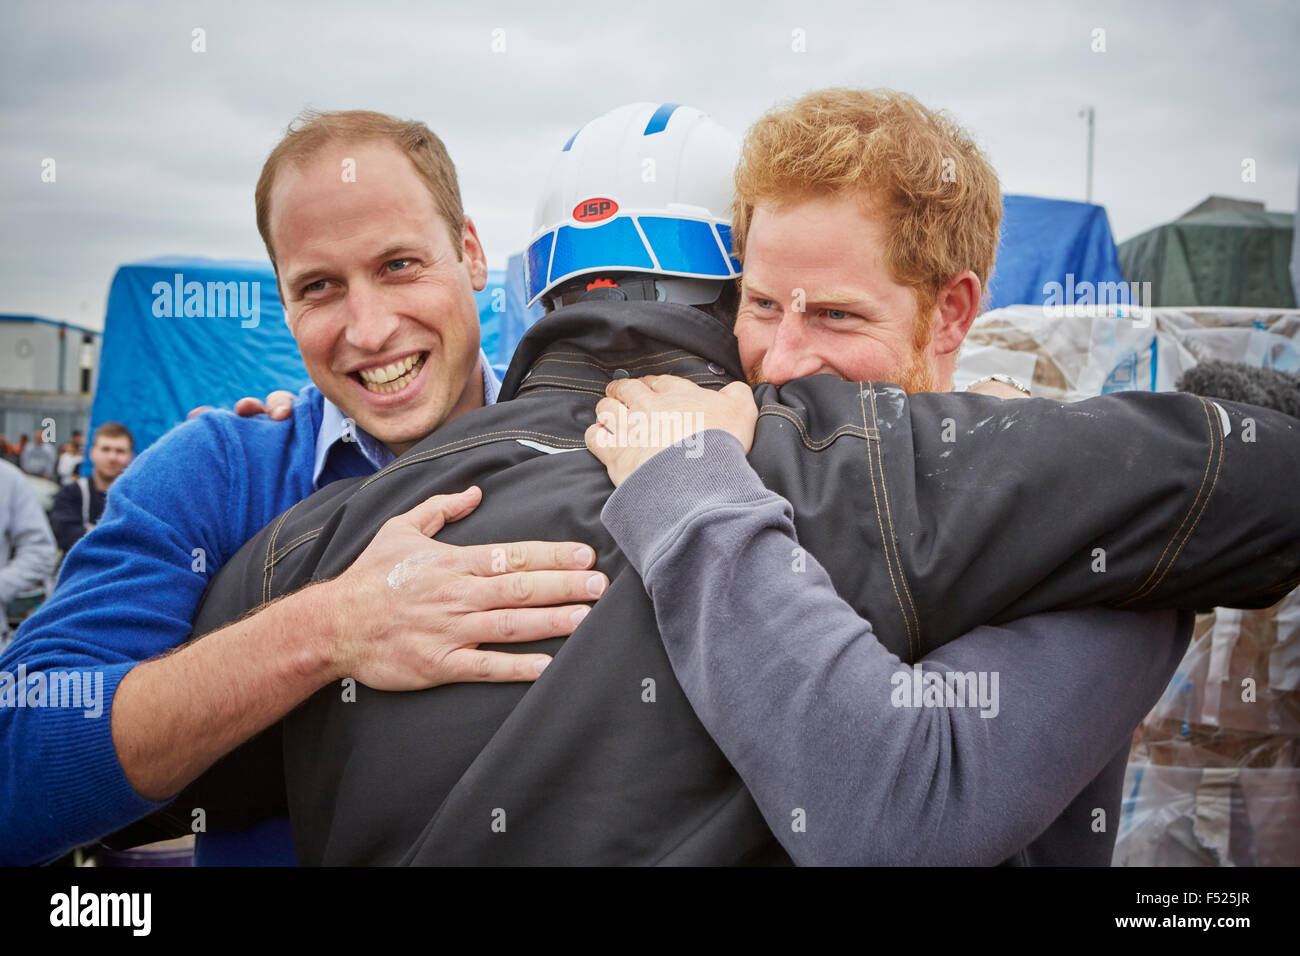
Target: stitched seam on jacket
x=1214 y=483
x=1142 y=588
x=592 y=388
x=555 y=375
x=639 y=363
x=548 y=387
x=538 y=380
x=295 y=545
x=290 y=544
x=529 y=387
x=542 y=373
x=889 y=565
x=889 y=517
x=854 y=430
x=448 y=449
x=269 y=563
x=680 y=357
x=483 y=438
x=1216 y=450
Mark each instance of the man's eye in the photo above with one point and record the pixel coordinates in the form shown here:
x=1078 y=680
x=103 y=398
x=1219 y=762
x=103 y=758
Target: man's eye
x=836 y=314
x=765 y=303
x=311 y=287
x=399 y=263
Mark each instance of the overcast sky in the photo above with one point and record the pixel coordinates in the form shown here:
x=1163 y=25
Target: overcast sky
x=158 y=147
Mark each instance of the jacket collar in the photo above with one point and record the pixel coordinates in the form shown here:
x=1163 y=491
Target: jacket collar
x=584 y=346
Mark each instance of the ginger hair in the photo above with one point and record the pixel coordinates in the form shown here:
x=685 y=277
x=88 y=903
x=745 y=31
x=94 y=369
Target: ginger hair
x=938 y=191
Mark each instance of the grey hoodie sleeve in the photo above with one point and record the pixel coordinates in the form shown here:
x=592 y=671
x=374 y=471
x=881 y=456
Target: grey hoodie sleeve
x=25 y=532
x=847 y=762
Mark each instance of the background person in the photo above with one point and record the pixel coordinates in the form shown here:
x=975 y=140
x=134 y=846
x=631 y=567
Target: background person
x=38 y=457
x=80 y=503
x=27 y=552
x=71 y=456
x=16 y=451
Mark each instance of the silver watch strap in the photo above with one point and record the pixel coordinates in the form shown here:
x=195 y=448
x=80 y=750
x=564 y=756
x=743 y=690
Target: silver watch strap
x=1004 y=379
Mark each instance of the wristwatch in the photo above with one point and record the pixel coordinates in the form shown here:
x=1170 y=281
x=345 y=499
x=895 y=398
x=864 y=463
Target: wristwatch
x=1004 y=379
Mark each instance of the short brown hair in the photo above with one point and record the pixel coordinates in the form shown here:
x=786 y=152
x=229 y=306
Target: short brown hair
x=113 y=430
x=313 y=129
x=939 y=192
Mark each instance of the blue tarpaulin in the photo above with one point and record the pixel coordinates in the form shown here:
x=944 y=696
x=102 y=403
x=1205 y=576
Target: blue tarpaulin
x=182 y=332
x=502 y=330
x=1046 y=240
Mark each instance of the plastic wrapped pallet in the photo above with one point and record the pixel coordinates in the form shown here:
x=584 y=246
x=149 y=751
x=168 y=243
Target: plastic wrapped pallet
x=1066 y=355
x=1209 y=816
x=1214 y=774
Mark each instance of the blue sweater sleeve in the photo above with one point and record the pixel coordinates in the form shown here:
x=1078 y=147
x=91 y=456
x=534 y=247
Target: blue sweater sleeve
x=823 y=723
x=127 y=593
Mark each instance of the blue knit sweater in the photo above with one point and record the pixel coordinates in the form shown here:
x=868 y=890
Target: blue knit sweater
x=127 y=592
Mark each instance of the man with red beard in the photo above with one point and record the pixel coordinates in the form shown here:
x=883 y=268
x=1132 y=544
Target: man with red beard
x=867 y=225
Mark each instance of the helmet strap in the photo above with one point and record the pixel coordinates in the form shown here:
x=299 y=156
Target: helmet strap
x=624 y=287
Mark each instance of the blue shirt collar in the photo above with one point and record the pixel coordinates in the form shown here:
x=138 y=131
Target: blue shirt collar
x=333 y=429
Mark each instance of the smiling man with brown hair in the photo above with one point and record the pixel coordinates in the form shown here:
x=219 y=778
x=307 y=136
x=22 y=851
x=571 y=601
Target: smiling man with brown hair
x=377 y=266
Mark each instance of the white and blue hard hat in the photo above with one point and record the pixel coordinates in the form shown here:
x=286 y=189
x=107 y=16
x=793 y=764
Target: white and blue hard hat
x=647 y=188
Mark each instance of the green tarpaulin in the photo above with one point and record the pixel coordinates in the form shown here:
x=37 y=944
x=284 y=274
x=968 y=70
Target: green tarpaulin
x=1222 y=257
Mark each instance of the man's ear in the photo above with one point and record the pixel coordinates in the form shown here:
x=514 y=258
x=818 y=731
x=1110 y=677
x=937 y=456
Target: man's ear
x=956 y=306
x=475 y=258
